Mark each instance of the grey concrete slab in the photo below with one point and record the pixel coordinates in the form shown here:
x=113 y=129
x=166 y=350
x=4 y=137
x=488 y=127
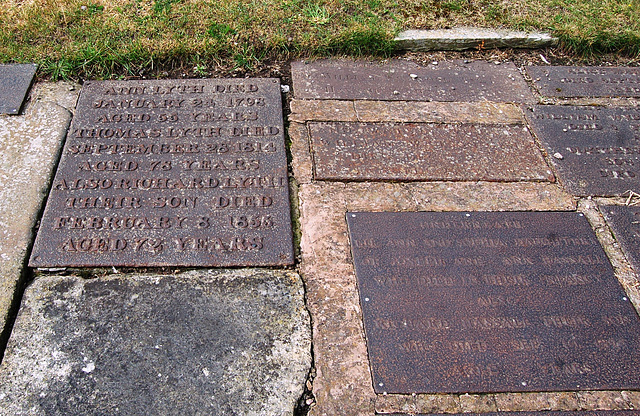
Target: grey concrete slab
x=29 y=148
x=15 y=81
x=206 y=342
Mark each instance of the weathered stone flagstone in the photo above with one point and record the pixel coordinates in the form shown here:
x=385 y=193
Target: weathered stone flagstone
x=571 y=81
x=406 y=81
x=429 y=152
x=15 y=81
x=226 y=342
x=29 y=148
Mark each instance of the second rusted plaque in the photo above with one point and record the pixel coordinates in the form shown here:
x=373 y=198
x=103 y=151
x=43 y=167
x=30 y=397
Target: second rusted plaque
x=588 y=81
x=596 y=150
x=429 y=152
x=625 y=222
x=175 y=172
x=491 y=302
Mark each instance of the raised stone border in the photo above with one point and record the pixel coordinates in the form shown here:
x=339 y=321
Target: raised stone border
x=462 y=38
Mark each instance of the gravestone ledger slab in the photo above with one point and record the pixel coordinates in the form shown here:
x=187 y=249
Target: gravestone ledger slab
x=425 y=151
x=175 y=172
x=571 y=81
x=491 y=302
x=596 y=150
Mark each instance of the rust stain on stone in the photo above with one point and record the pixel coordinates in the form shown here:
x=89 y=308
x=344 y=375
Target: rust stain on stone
x=491 y=302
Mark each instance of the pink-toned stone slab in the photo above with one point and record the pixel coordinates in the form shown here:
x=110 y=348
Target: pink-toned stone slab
x=425 y=152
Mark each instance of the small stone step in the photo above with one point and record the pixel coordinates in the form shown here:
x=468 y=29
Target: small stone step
x=462 y=38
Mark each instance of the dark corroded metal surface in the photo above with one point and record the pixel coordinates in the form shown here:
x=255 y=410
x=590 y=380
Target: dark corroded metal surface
x=625 y=222
x=405 y=81
x=417 y=151
x=596 y=150
x=15 y=81
x=491 y=302
x=572 y=81
x=176 y=172
x=541 y=413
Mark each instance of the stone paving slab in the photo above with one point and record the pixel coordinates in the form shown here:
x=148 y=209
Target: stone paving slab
x=15 y=81
x=29 y=147
x=232 y=342
x=571 y=81
x=398 y=80
x=428 y=152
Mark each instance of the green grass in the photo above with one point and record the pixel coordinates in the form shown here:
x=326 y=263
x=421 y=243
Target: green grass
x=103 y=38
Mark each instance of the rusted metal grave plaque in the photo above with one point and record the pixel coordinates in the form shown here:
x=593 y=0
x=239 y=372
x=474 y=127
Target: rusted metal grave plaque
x=398 y=80
x=540 y=413
x=491 y=302
x=625 y=222
x=596 y=150
x=420 y=151
x=572 y=81
x=175 y=172
x=15 y=81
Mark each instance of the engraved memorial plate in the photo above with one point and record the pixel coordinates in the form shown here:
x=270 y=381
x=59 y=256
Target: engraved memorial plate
x=572 y=81
x=596 y=150
x=175 y=172
x=625 y=222
x=461 y=302
x=15 y=81
x=405 y=81
x=539 y=413
x=419 y=151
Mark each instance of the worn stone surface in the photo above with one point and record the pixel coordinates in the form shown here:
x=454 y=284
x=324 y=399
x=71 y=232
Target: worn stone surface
x=399 y=80
x=197 y=177
x=29 y=147
x=461 y=38
x=405 y=112
x=603 y=400
x=571 y=81
x=594 y=149
x=343 y=384
x=428 y=152
x=15 y=80
x=232 y=342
